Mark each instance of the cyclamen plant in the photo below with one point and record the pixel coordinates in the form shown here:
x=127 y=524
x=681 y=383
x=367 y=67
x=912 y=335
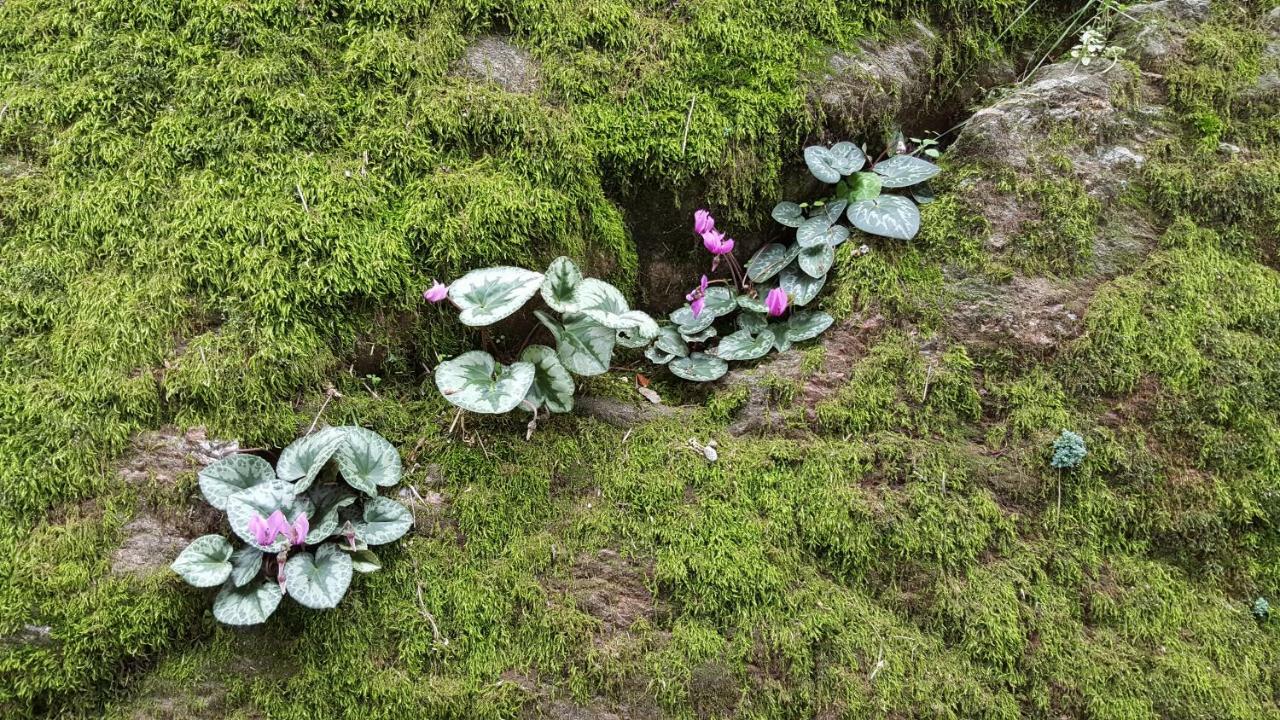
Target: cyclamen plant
x=306 y=525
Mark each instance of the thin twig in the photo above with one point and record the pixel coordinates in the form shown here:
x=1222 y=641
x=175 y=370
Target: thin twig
x=456 y=416
x=688 y=118
x=4 y=110
x=303 y=198
x=330 y=394
x=440 y=640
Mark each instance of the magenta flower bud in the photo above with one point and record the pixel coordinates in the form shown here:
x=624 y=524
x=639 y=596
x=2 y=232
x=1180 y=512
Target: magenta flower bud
x=437 y=292
x=715 y=243
x=703 y=223
x=698 y=305
x=301 y=526
x=776 y=302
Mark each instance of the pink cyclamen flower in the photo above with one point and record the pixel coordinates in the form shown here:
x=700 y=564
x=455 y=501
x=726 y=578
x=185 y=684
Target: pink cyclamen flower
x=715 y=243
x=261 y=533
x=437 y=292
x=698 y=297
x=697 y=306
x=703 y=223
x=301 y=526
x=776 y=302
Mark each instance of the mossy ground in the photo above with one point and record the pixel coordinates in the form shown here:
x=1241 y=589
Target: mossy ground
x=910 y=555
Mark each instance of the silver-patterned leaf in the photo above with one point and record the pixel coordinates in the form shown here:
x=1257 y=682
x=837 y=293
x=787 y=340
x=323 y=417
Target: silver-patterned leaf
x=770 y=260
x=475 y=381
x=303 y=459
x=807 y=325
x=604 y=304
x=822 y=163
x=690 y=323
x=560 y=285
x=318 y=581
x=813 y=232
x=552 y=384
x=902 y=171
x=788 y=213
x=849 y=158
x=658 y=357
x=753 y=322
x=486 y=296
x=801 y=287
x=251 y=604
x=630 y=338
x=817 y=261
x=205 y=562
x=585 y=346
x=755 y=304
x=262 y=501
x=699 y=367
x=230 y=475
x=745 y=345
x=644 y=326
x=246 y=564
x=891 y=216
x=367 y=461
x=703 y=336
x=835 y=210
x=780 y=341
x=720 y=301
x=328 y=500
x=922 y=194
x=671 y=342
x=363 y=561
x=384 y=520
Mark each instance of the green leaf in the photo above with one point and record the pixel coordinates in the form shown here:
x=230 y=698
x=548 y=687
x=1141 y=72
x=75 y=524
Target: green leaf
x=849 y=158
x=367 y=461
x=474 y=381
x=248 y=605
x=671 y=342
x=755 y=304
x=230 y=475
x=644 y=326
x=585 y=346
x=604 y=304
x=801 y=287
x=363 y=561
x=813 y=232
x=703 y=336
x=745 y=345
x=864 y=186
x=720 y=301
x=489 y=295
x=922 y=194
x=817 y=261
x=246 y=564
x=780 y=341
x=807 y=325
x=560 y=285
x=835 y=209
x=902 y=171
x=328 y=500
x=891 y=216
x=753 y=322
x=788 y=213
x=205 y=562
x=305 y=457
x=657 y=356
x=264 y=500
x=552 y=384
x=689 y=323
x=318 y=581
x=699 y=367
x=384 y=520
x=822 y=163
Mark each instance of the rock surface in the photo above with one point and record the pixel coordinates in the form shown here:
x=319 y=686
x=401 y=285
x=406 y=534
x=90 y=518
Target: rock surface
x=494 y=59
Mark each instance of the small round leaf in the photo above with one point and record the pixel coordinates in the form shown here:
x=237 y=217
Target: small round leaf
x=489 y=295
x=699 y=367
x=318 y=581
x=384 y=520
x=230 y=475
x=251 y=604
x=474 y=381
x=205 y=562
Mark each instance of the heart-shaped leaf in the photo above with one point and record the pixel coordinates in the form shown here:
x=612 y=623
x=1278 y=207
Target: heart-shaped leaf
x=262 y=501
x=720 y=301
x=891 y=216
x=848 y=158
x=801 y=287
x=489 y=295
x=585 y=346
x=318 y=581
x=552 y=384
x=230 y=475
x=864 y=186
x=822 y=163
x=603 y=303
x=689 y=323
x=745 y=345
x=367 y=461
x=922 y=193
x=807 y=325
x=902 y=171
x=251 y=604
x=205 y=562
x=246 y=564
x=560 y=285
x=835 y=210
x=755 y=304
x=752 y=322
x=699 y=367
x=305 y=457
x=384 y=520
x=474 y=381
x=817 y=261
x=813 y=232
x=658 y=357
x=363 y=561
x=671 y=342
x=788 y=213
x=770 y=260
x=703 y=336
x=328 y=501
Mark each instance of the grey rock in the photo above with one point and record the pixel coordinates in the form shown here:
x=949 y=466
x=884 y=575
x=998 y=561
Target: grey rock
x=622 y=414
x=38 y=635
x=150 y=545
x=1155 y=33
x=885 y=79
x=163 y=455
x=492 y=58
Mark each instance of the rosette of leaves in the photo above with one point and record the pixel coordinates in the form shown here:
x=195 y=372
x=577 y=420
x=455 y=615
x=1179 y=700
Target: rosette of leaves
x=332 y=477
x=587 y=318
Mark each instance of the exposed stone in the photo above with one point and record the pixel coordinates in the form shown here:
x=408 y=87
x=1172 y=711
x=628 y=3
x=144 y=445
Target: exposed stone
x=40 y=635
x=1031 y=313
x=1155 y=33
x=492 y=58
x=885 y=80
x=149 y=545
x=620 y=413
x=610 y=588
x=164 y=455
